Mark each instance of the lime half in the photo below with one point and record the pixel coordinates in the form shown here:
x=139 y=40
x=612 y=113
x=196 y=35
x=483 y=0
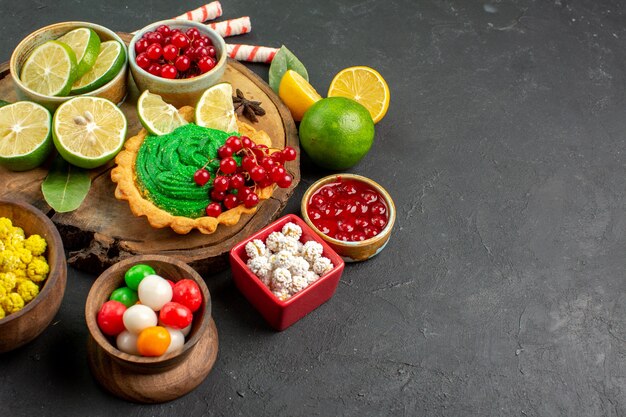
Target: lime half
x=25 y=140
x=86 y=46
x=109 y=63
x=88 y=131
x=50 y=69
x=158 y=117
x=215 y=108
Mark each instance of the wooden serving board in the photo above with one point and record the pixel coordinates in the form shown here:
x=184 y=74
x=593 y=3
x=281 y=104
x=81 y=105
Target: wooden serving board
x=102 y=231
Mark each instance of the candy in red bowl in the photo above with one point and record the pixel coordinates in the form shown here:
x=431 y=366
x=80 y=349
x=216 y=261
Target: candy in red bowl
x=285 y=270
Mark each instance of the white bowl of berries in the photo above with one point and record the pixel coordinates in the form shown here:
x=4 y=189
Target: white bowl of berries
x=177 y=60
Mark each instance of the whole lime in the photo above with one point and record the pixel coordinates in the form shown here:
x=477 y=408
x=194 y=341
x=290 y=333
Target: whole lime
x=337 y=132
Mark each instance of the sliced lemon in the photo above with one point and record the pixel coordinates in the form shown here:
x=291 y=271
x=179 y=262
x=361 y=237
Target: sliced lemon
x=158 y=117
x=86 y=46
x=215 y=108
x=297 y=94
x=88 y=131
x=109 y=63
x=365 y=85
x=50 y=69
x=25 y=139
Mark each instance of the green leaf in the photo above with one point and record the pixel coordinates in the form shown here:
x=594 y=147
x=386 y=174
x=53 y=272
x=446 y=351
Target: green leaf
x=66 y=186
x=285 y=60
x=4 y=103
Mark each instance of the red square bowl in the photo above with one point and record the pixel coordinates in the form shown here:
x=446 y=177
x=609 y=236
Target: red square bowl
x=282 y=314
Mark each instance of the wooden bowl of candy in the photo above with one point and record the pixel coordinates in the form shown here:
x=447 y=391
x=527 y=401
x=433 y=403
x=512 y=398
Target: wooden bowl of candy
x=285 y=270
x=109 y=83
x=352 y=213
x=177 y=60
x=33 y=273
x=152 y=335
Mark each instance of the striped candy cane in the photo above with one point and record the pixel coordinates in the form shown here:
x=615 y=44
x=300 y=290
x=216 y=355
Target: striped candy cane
x=232 y=27
x=209 y=11
x=251 y=53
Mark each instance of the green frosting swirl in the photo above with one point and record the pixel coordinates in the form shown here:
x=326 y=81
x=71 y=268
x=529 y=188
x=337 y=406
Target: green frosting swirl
x=166 y=164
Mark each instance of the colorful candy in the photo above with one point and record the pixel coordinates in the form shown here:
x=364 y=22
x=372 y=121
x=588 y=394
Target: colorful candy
x=110 y=317
x=154 y=319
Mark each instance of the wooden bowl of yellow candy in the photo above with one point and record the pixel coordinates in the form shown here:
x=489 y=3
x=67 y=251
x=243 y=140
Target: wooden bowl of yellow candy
x=33 y=273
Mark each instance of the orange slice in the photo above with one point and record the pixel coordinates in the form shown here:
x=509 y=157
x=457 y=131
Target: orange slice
x=364 y=85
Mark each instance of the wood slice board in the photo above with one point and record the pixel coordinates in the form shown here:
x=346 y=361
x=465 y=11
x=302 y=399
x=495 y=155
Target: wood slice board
x=103 y=231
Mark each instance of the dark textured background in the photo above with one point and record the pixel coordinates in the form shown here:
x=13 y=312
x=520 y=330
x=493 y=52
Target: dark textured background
x=502 y=291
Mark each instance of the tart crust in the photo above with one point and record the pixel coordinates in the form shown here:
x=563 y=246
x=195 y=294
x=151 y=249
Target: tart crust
x=126 y=179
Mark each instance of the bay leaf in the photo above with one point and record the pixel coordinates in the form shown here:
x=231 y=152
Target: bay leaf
x=66 y=186
x=285 y=60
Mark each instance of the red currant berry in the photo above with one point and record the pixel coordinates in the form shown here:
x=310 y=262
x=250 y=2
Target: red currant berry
x=266 y=181
x=257 y=173
x=170 y=52
x=180 y=40
x=289 y=154
x=224 y=151
x=154 y=51
x=217 y=195
x=182 y=63
x=278 y=171
x=231 y=201
x=157 y=38
x=220 y=183
x=202 y=176
x=268 y=163
x=260 y=151
x=252 y=200
x=169 y=71
x=243 y=192
x=234 y=142
x=228 y=165
x=248 y=162
x=206 y=40
x=201 y=52
x=142 y=60
x=285 y=181
x=213 y=209
x=193 y=33
x=150 y=38
x=155 y=69
x=164 y=30
x=246 y=142
x=141 y=45
x=198 y=43
x=237 y=181
x=212 y=51
x=206 y=64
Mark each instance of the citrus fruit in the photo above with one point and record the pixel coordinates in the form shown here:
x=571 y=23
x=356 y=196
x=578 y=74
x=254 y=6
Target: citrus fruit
x=25 y=139
x=215 y=108
x=88 y=131
x=158 y=117
x=365 y=85
x=86 y=46
x=297 y=94
x=50 y=69
x=108 y=64
x=336 y=132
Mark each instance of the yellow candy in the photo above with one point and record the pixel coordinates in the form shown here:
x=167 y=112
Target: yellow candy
x=37 y=270
x=3 y=292
x=35 y=244
x=12 y=303
x=27 y=290
x=8 y=280
x=2 y=313
x=6 y=227
x=8 y=260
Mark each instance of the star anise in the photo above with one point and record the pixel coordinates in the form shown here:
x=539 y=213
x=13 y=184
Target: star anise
x=249 y=108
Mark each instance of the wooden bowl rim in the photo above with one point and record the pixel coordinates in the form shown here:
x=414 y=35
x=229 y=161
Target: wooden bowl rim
x=383 y=235
x=113 y=351
x=59 y=258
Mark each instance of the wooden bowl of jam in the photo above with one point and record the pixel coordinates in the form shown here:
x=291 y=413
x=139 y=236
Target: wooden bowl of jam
x=352 y=213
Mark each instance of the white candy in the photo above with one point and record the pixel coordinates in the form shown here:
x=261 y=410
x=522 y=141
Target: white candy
x=299 y=266
x=138 y=317
x=298 y=283
x=282 y=294
x=127 y=342
x=322 y=265
x=272 y=241
x=282 y=259
x=292 y=230
x=261 y=267
x=177 y=340
x=154 y=292
x=311 y=251
x=311 y=277
x=255 y=248
x=281 y=280
x=288 y=244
